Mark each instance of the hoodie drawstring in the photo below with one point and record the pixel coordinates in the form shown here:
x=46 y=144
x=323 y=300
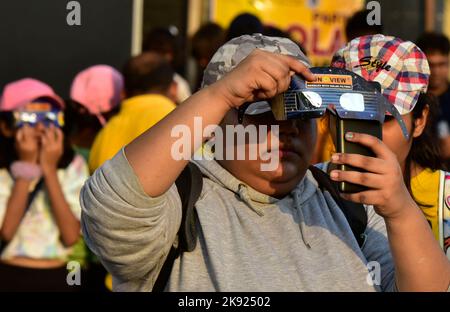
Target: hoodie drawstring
x=302 y=222
x=243 y=194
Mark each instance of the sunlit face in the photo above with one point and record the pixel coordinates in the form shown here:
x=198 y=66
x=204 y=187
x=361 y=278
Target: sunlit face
x=296 y=145
x=394 y=139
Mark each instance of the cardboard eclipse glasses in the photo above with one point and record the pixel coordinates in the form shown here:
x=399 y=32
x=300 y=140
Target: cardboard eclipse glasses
x=344 y=93
x=36 y=112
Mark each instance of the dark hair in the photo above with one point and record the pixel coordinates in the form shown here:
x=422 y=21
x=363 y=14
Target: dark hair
x=160 y=40
x=78 y=117
x=357 y=26
x=425 y=150
x=244 y=24
x=148 y=72
x=273 y=31
x=167 y=42
x=8 y=150
x=207 y=40
x=433 y=42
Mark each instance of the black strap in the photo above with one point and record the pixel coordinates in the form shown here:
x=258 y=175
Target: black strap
x=31 y=197
x=355 y=213
x=189 y=185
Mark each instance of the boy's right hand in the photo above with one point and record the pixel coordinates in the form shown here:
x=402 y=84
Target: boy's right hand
x=27 y=144
x=261 y=75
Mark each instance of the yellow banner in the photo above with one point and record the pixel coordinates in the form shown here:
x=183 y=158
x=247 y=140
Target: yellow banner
x=318 y=25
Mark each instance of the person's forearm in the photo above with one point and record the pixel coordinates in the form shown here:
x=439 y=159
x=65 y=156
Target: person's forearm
x=420 y=263
x=150 y=154
x=68 y=225
x=15 y=209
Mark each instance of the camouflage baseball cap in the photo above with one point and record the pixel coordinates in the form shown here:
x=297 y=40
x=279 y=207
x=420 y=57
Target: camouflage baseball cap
x=234 y=51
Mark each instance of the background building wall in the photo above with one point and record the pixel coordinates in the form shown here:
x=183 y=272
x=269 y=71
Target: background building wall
x=37 y=42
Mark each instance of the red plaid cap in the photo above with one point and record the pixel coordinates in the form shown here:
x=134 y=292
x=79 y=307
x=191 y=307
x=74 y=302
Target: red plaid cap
x=399 y=66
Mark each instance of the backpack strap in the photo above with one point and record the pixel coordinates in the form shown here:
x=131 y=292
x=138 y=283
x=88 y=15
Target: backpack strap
x=189 y=185
x=355 y=213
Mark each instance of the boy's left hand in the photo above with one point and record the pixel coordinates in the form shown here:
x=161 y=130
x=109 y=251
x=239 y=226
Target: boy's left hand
x=52 y=148
x=384 y=178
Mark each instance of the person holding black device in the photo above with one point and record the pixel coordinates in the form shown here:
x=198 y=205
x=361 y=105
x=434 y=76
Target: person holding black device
x=403 y=79
x=256 y=230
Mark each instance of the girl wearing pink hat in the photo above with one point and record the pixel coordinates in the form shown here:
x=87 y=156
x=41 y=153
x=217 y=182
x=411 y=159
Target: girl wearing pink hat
x=40 y=181
x=95 y=96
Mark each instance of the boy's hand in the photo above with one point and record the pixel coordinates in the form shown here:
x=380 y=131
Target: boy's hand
x=261 y=75
x=52 y=148
x=384 y=177
x=27 y=144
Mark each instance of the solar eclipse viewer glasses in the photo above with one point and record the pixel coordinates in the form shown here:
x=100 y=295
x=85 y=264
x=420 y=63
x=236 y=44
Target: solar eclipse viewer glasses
x=342 y=92
x=37 y=112
x=358 y=105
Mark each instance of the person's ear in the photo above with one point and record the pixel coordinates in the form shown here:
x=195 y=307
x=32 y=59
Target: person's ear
x=421 y=122
x=5 y=130
x=169 y=56
x=172 y=92
x=203 y=62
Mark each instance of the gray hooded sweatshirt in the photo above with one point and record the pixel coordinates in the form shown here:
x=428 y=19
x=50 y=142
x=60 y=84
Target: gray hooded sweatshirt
x=247 y=241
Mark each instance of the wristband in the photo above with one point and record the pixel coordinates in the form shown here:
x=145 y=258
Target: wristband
x=25 y=170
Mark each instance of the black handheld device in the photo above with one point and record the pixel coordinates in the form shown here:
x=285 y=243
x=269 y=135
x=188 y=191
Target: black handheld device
x=372 y=127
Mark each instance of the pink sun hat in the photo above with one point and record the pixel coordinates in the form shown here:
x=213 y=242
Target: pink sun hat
x=18 y=93
x=98 y=88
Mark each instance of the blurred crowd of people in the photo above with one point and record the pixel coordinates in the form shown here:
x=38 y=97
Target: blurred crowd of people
x=49 y=146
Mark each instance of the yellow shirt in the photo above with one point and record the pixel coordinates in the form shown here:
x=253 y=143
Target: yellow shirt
x=136 y=115
x=425 y=188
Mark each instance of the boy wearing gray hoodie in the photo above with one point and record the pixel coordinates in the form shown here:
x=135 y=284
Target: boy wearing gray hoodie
x=257 y=230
